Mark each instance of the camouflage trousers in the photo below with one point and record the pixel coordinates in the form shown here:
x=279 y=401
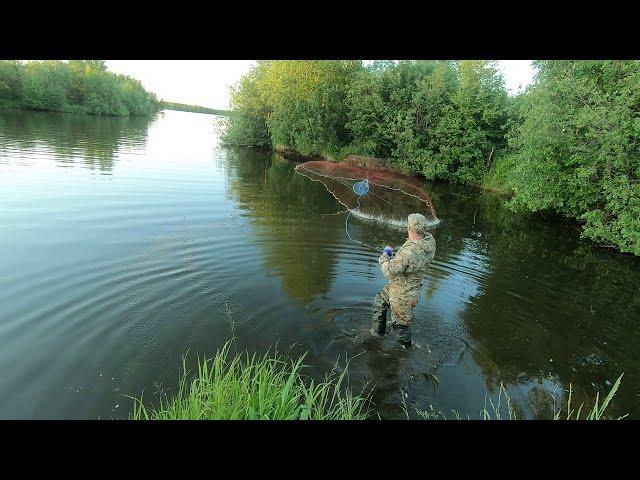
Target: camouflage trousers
x=401 y=305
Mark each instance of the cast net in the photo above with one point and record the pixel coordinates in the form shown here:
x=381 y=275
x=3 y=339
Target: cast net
x=370 y=190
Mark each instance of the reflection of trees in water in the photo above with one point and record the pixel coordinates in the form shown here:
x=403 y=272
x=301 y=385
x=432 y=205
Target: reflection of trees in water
x=284 y=209
x=94 y=140
x=550 y=305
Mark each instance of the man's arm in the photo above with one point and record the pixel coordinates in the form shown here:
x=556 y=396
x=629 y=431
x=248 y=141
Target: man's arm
x=392 y=267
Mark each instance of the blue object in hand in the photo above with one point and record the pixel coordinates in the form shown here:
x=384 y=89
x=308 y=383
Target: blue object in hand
x=388 y=251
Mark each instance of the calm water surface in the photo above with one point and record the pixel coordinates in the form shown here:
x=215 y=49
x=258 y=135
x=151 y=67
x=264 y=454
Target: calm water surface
x=126 y=242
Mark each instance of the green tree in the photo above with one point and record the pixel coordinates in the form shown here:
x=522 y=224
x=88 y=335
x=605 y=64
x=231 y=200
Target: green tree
x=443 y=119
x=247 y=124
x=471 y=126
x=577 y=150
x=76 y=85
x=300 y=102
x=46 y=85
x=11 y=80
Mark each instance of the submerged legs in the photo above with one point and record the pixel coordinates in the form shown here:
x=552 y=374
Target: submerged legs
x=401 y=316
x=380 y=309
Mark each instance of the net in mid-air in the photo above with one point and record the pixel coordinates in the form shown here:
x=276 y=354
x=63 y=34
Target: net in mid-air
x=370 y=190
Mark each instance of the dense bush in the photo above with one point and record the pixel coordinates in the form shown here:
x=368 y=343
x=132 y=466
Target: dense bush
x=444 y=119
x=300 y=103
x=577 y=149
x=246 y=130
x=77 y=85
x=11 y=80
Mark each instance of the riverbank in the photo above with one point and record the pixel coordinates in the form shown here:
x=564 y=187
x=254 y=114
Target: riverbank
x=454 y=121
x=272 y=387
x=183 y=107
x=76 y=109
x=249 y=387
x=492 y=185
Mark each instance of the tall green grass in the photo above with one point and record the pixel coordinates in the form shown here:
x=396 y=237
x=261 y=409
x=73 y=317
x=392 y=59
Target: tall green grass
x=251 y=387
x=598 y=410
x=270 y=387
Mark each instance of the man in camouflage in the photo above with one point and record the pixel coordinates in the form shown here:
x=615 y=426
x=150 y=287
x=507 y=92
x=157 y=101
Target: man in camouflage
x=405 y=272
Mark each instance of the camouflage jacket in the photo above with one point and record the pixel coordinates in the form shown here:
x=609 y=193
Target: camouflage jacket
x=405 y=271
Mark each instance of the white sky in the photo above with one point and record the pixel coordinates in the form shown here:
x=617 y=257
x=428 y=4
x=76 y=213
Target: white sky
x=196 y=82
x=517 y=74
x=206 y=82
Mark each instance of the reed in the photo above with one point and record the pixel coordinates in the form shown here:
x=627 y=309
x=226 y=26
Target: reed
x=493 y=411
x=252 y=387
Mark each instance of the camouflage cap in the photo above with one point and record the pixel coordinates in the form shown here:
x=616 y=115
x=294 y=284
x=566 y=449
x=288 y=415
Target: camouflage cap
x=418 y=222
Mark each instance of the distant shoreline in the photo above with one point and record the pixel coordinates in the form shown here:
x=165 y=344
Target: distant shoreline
x=182 y=107
x=79 y=110
x=74 y=109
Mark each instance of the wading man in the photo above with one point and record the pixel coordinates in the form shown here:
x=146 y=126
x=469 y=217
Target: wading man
x=405 y=272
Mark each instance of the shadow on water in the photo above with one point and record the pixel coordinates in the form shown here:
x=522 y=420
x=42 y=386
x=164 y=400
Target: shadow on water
x=70 y=138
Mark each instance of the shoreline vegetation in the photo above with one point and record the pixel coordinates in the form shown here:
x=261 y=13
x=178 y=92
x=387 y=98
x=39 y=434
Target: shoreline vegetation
x=272 y=387
x=74 y=86
x=251 y=387
x=80 y=86
x=183 y=107
x=566 y=146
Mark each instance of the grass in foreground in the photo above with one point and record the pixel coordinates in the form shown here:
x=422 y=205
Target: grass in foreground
x=270 y=387
x=597 y=412
x=247 y=387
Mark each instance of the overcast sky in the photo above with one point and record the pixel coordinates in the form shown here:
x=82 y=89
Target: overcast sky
x=206 y=82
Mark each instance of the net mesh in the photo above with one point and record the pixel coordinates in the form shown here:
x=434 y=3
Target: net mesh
x=372 y=191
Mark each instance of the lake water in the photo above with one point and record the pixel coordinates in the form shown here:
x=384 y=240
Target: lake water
x=127 y=242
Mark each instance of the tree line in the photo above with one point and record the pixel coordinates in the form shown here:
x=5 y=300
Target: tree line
x=569 y=144
x=183 y=107
x=83 y=86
